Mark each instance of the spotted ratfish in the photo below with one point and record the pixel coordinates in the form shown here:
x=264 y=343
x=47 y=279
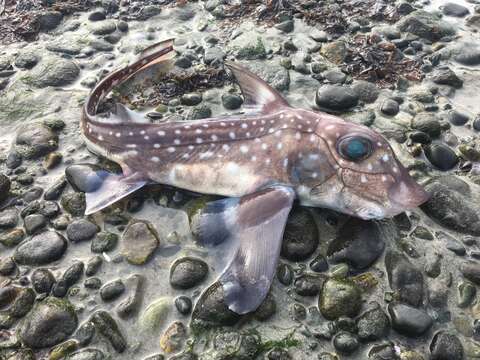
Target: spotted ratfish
x=260 y=161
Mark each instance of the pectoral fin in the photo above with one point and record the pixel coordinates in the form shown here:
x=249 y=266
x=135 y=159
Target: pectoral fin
x=114 y=188
x=252 y=227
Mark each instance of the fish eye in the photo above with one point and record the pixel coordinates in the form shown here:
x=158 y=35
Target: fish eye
x=354 y=148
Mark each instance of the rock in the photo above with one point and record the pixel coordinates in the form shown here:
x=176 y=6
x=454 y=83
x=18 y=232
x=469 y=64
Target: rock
x=86 y=177
x=274 y=74
x=154 y=315
x=285 y=26
x=74 y=203
x=85 y=333
x=93 y=265
x=97 y=15
x=427 y=123
x=42 y=281
x=187 y=272
x=467 y=54
x=173 y=338
x=104 y=242
x=12 y=238
x=35 y=222
x=132 y=303
x=425 y=25
x=373 y=324
x=191 y=99
x=446 y=76
x=200 y=112
x=7 y=266
x=72 y=275
x=300 y=238
x=335 y=51
x=8 y=218
x=26 y=60
x=404 y=278
x=48 y=20
x=112 y=290
x=471 y=271
x=139 y=241
x=4 y=187
x=336 y=97
x=41 y=249
x=456 y=118
x=466 y=294
x=358 y=243
x=108 y=327
x=285 y=274
x=35 y=140
x=101 y=44
x=345 y=342
x=148 y=11
x=50 y=322
x=451 y=209
x=250 y=48
x=339 y=298
x=319 y=264
x=213 y=55
x=103 y=27
x=453 y=9
x=319 y=35
x=53 y=71
x=408 y=320
x=183 y=62
x=62 y=350
x=445 y=346
x=63 y=46
x=86 y=354
x=235 y=345
x=231 y=101
x=441 y=156
x=390 y=107
x=93 y=283
x=335 y=77
x=211 y=310
x=183 y=305
x=308 y=284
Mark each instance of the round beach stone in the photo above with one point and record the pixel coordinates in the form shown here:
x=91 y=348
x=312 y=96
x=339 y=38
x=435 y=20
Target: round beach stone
x=441 y=156
x=81 y=230
x=112 y=290
x=4 y=187
x=339 y=298
x=408 y=320
x=41 y=249
x=139 y=241
x=49 y=322
x=188 y=272
x=453 y=9
x=53 y=71
x=457 y=118
x=300 y=238
x=35 y=140
x=390 y=107
x=336 y=97
x=42 y=280
x=445 y=346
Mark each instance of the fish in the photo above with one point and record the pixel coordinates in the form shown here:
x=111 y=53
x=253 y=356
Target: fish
x=260 y=161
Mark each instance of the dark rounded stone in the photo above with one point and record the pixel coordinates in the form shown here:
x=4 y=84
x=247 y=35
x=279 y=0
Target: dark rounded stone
x=211 y=310
x=81 y=230
x=7 y=266
x=188 y=272
x=104 y=242
x=112 y=290
x=308 y=285
x=300 y=238
x=453 y=9
x=339 y=298
x=285 y=274
x=404 y=278
x=191 y=99
x=345 y=342
x=358 y=243
x=471 y=271
x=35 y=222
x=93 y=264
x=456 y=118
x=86 y=354
x=42 y=280
x=420 y=137
x=73 y=273
x=183 y=305
x=93 y=283
x=441 y=156
x=336 y=97
x=86 y=177
x=108 y=327
x=319 y=264
x=373 y=324
x=446 y=76
x=390 y=107
x=408 y=320
x=35 y=140
x=49 y=322
x=427 y=123
x=41 y=249
x=183 y=62
x=231 y=101
x=366 y=91
x=4 y=187
x=97 y=15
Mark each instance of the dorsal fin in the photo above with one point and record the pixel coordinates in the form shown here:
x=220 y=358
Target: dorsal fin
x=259 y=96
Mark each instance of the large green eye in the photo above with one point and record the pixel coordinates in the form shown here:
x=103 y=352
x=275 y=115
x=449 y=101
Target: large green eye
x=354 y=148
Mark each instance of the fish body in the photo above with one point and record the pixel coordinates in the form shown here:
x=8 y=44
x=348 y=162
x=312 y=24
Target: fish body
x=261 y=162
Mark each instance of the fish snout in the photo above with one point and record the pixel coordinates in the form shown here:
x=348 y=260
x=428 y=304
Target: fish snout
x=406 y=193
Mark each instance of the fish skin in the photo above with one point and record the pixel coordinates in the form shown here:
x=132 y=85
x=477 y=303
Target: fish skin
x=260 y=161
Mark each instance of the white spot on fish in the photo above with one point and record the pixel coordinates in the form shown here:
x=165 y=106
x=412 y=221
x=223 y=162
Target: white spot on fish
x=313 y=156
x=131 y=146
x=142 y=132
x=270 y=130
x=178 y=132
x=329 y=127
x=385 y=158
x=171 y=149
x=369 y=167
x=130 y=133
x=186 y=155
x=155 y=159
x=100 y=137
x=146 y=137
x=223 y=124
x=268 y=161
x=298 y=136
x=312 y=138
x=176 y=141
x=110 y=133
x=225 y=147
x=384 y=178
x=254 y=158
x=205 y=126
x=161 y=133
x=156 y=146
x=198 y=140
x=118 y=134
x=279 y=146
x=191 y=147
x=187 y=127
x=205 y=155
x=264 y=146
x=198 y=131
x=314 y=175
x=244 y=126
x=395 y=169
x=214 y=137
x=363 y=178
x=285 y=162
x=231 y=134
x=244 y=149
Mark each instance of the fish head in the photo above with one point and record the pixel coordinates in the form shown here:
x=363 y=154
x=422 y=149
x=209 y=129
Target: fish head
x=371 y=182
